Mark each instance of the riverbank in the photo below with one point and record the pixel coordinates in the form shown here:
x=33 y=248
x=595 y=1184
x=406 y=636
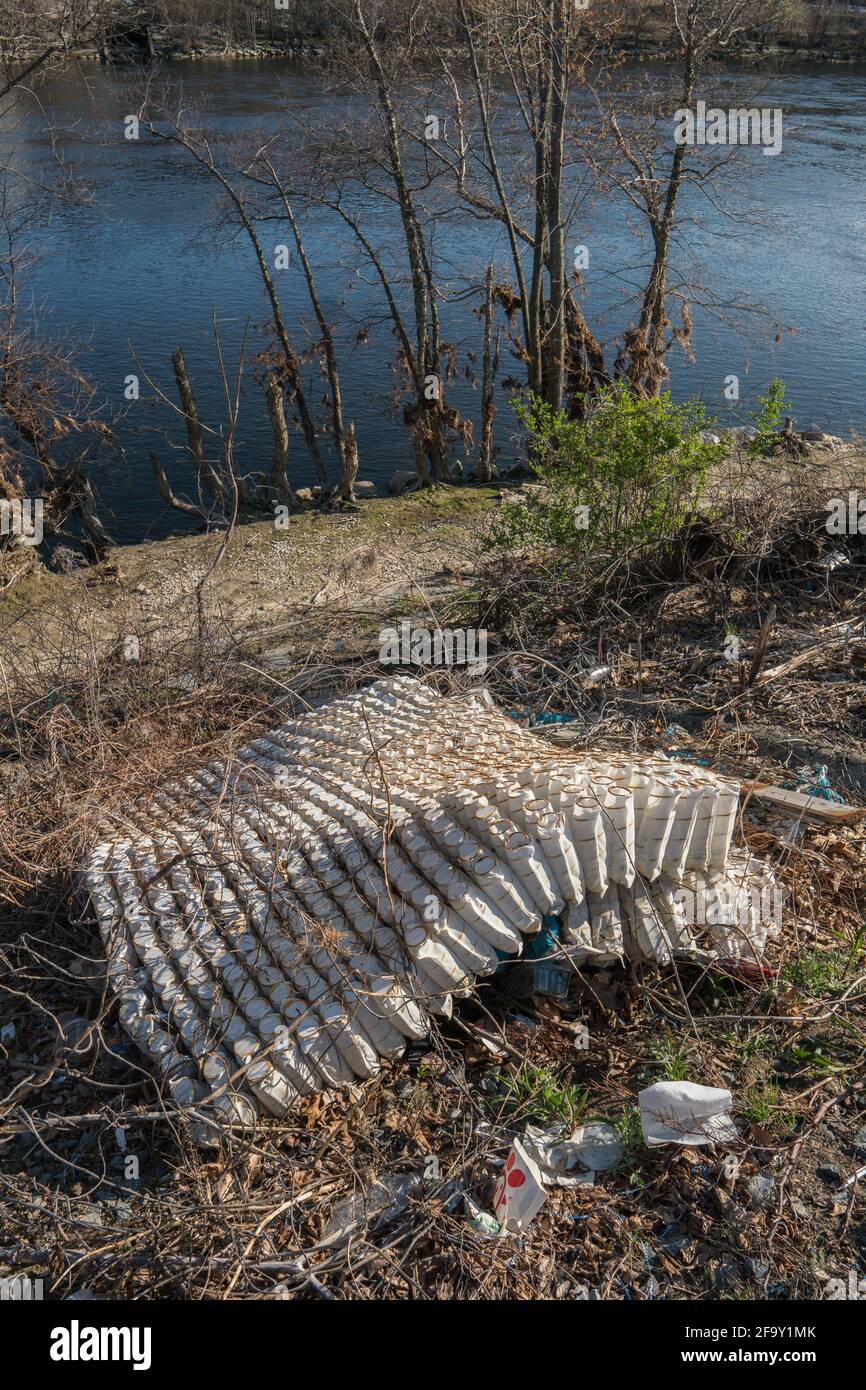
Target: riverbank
x=311 y=52
x=162 y=45
x=420 y=544
x=371 y=561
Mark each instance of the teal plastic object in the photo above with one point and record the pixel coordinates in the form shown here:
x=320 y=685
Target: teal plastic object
x=544 y=716
x=539 y=970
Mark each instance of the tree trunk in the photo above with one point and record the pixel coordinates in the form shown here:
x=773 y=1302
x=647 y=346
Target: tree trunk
x=488 y=382
x=556 y=231
x=208 y=480
x=280 y=430
x=350 y=465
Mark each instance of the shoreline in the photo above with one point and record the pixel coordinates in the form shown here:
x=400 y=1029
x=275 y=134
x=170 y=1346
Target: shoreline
x=383 y=544
x=317 y=52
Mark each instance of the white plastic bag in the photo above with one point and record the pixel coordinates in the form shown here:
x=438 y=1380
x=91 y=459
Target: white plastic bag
x=681 y=1112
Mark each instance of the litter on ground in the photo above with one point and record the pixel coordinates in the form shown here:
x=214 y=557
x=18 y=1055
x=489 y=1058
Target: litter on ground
x=282 y=924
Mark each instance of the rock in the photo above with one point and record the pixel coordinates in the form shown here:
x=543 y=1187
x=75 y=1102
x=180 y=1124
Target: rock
x=365 y=487
x=304 y=494
x=761 y=1191
x=673 y=1241
x=814 y=435
x=401 y=480
x=474 y=472
x=708 y=437
x=456 y=470
x=757 y=1269
x=860 y=1142
x=830 y=1174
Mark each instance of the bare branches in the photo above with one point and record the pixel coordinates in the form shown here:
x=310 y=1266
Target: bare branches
x=347 y=450
x=488 y=381
x=47 y=34
x=174 y=131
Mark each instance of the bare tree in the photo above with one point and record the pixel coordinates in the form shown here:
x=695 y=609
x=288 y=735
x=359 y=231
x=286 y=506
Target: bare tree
x=38 y=37
x=380 y=157
x=50 y=423
x=527 y=56
x=528 y=52
x=345 y=441
x=174 y=128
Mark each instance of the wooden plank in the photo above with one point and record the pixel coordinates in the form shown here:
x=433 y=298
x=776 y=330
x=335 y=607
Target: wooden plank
x=800 y=804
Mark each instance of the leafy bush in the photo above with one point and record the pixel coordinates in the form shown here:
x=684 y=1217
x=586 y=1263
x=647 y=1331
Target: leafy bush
x=768 y=419
x=625 y=478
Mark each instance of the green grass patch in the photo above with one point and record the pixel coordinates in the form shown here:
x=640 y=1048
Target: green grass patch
x=535 y=1093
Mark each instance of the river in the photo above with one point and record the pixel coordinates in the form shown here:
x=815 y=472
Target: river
x=141 y=262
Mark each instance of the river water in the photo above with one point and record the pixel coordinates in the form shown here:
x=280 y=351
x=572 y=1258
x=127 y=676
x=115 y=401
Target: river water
x=141 y=262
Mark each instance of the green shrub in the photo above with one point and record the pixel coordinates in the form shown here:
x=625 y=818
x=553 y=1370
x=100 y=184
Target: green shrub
x=625 y=478
x=768 y=419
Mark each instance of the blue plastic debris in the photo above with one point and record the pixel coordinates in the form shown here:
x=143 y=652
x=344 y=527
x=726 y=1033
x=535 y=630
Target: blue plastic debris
x=534 y=717
x=819 y=786
x=674 y=731
x=544 y=943
x=688 y=755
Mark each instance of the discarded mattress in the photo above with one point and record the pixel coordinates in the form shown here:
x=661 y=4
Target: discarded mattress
x=278 y=924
